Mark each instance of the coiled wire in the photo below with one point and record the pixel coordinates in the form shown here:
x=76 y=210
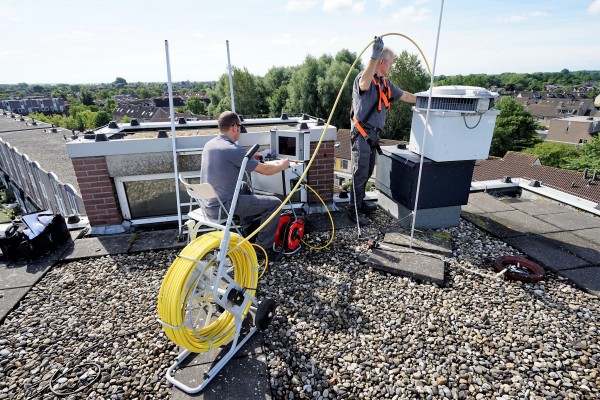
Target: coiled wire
x=181 y=282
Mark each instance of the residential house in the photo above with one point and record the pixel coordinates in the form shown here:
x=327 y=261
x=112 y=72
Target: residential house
x=573 y=130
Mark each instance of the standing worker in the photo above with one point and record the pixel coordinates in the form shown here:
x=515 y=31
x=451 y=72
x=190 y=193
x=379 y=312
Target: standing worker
x=372 y=94
x=221 y=161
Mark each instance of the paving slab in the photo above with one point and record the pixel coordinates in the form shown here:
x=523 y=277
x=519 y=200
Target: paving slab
x=571 y=220
x=488 y=203
x=23 y=274
x=494 y=228
x=592 y=235
x=424 y=241
x=157 y=240
x=472 y=209
x=9 y=298
x=586 y=278
x=416 y=266
x=98 y=246
x=245 y=376
x=521 y=222
x=546 y=254
x=537 y=207
x=572 y=243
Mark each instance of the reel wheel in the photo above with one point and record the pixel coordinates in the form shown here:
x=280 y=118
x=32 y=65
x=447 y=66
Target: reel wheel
x=265 y=313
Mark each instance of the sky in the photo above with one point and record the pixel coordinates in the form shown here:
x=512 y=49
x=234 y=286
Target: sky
x=75 y=41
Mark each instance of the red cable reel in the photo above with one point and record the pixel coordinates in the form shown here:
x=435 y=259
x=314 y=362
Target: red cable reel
x=289 y=233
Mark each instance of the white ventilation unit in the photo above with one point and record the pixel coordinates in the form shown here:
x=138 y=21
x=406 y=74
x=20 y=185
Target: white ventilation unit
x=460 y=125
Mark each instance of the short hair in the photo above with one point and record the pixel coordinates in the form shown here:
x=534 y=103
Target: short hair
x=387 y=54
x=227 y=119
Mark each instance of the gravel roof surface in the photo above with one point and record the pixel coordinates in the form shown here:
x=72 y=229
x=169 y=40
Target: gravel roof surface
x=342 y=330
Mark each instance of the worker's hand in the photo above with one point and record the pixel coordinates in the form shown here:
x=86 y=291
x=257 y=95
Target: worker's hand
x=377 y=48
x=284 y=163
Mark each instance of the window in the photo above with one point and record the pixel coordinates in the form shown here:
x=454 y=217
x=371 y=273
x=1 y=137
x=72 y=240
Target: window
x=344 y=164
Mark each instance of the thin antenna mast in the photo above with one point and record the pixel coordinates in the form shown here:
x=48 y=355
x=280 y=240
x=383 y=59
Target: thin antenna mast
x=173 y=136
x=230 y=77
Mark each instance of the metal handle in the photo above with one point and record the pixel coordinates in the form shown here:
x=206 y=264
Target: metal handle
x=253 y=150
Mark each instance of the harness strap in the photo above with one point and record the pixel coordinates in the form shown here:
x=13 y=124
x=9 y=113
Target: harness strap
x=384 y=95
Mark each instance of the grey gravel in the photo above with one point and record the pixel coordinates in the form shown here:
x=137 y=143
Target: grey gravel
x=342 y=330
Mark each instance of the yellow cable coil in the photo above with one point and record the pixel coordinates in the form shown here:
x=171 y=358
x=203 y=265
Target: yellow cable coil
x=179 y=284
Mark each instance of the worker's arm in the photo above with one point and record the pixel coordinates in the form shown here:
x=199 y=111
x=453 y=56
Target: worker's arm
x=272 y=167
x=365 y=79
x=408 y=97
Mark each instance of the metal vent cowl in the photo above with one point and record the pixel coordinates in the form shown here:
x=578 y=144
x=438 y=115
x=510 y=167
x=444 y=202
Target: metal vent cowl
x=470 y=99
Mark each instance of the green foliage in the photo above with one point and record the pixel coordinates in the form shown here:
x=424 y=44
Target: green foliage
x=101 y=118
x=589 y=158
x=515 y=128
x=86 y=97
x=196 y=105
x=125 y=119
x=554 y=154
x=120 y=82
x=408 y=74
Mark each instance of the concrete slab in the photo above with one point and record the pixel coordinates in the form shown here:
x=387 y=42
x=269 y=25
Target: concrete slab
x=245 y=376
x=522 y=222
x=472 y=209
x=22 y=274
x=98 y=246
x=427 y=218
x=546 y=254
x=322 y=223
x=157 y=240
x=424 y=241
x=571 y=220
x=592 y=235
x=488 y=203
x=416 y=266
x=586 y=278
x=10 y=298
x=572 y=243
x=537 y=207
x=483 y=221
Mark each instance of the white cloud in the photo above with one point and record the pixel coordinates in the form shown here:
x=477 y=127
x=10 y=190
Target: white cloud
x=524 y=17
x=9 y=15
x=594 y=8
x=358 y=7
x=300 y=5
x=412 y=13
x=285 y=39
x=385 y=3
x=337 y=5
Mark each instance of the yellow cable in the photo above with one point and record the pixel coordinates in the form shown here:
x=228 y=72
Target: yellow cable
x=301 y=179
x=182 y=277
x=179 y=284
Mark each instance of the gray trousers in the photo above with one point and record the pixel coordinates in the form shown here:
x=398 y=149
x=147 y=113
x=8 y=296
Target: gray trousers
x=251 y=206
x=363 y=158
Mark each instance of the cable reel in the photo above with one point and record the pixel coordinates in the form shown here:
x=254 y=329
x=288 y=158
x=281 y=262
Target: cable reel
x=289 y=233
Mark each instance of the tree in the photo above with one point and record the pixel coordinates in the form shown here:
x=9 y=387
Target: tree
x=196 y=105
x=120 y=82
x=275 y=84
x=554 y=154
x=86 y=97
x=408 y=74
x=515 y=128
x=589 y=158
x=101 y=118
x=304 y=96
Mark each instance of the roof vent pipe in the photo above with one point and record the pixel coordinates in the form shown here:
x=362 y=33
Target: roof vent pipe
x=101 y=137
x=284 y=116
x=134 y=122
x=506 y=179
x=113 y=125
x=535 y=183
x=595 y=176
x=305 y=117
x=303 y=126
x=182 y=121
x=585 y=174
x=162 y=135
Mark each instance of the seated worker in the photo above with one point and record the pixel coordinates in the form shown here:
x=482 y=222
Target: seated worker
x=221 y=161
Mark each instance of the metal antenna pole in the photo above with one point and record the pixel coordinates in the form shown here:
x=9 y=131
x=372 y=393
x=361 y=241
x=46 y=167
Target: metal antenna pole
x=173 y=137
x=414 y=217
x=230 y=77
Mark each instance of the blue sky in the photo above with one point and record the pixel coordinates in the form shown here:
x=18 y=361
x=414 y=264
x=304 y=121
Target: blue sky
x=73 y=41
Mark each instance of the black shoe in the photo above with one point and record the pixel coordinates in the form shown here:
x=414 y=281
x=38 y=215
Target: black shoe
x=362 y=220
x=368 y=207
x=273 y=255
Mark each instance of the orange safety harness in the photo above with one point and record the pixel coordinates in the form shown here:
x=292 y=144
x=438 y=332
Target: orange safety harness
x=384 y=96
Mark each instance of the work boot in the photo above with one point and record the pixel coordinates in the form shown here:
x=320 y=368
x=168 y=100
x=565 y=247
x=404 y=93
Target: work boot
x=368 y=207
x=362 y=220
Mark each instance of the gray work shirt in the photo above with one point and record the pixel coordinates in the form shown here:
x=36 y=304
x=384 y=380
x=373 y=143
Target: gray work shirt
x=221 y=163
x=363 y=102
